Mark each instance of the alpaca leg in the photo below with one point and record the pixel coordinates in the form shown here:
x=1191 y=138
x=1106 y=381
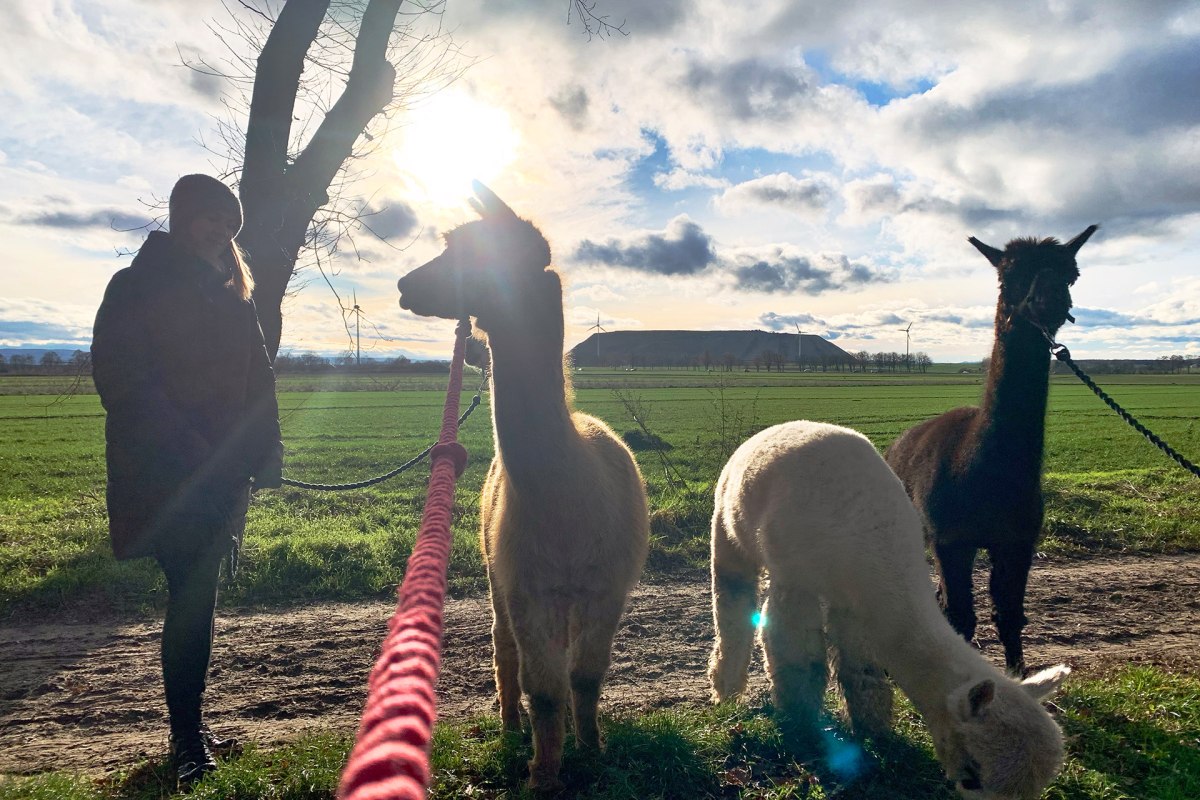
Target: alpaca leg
x=864 y=684
x=541 y=634
x=1010 y=573
x=592 y=654
x=735 y=597
x=954 y=565
x=508 y=687
x=794 y=645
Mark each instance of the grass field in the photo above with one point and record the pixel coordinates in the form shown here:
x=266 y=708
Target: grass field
x=1108 y=491
x=1132 y=736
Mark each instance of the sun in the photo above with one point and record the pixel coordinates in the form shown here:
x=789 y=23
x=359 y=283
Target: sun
x=451 y=140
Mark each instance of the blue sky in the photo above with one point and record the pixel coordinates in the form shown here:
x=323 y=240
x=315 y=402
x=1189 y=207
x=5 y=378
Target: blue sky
x=753 y=165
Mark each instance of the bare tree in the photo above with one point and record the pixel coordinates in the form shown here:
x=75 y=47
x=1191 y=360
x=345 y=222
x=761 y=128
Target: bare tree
x=327 y=79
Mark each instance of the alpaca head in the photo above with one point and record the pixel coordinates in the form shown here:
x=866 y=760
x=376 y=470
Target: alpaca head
x=485 y=270
x=1035 y=278
x=1001 y=744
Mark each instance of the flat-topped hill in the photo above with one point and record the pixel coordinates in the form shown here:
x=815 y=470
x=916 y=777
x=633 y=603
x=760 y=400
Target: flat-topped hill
x=705 y=348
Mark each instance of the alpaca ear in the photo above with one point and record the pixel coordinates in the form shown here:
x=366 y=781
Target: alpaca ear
x=990 y=253
x=487 y=203
x=1046 y=682
x=980 y=697
x=1076 y=243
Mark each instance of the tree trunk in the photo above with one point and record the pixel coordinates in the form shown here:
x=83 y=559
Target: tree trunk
x=281 y=195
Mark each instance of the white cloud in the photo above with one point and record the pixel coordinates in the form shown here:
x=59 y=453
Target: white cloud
x=680 y=178
x=1041 y=119
x=34 y=322
x=810 y=194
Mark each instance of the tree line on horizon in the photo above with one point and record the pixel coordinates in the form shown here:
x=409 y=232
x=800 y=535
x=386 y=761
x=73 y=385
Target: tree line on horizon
x=79 y=362
x=774 y=361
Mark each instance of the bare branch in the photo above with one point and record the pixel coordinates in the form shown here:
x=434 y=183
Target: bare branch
x=593 y=24
x=302 y=116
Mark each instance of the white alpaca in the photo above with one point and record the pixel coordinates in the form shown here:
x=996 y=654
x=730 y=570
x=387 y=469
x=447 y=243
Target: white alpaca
x=817 y=509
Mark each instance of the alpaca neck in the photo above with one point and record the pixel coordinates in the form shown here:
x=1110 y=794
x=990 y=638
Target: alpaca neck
x=929 y=661
x=1014 y=402
x=530 y=417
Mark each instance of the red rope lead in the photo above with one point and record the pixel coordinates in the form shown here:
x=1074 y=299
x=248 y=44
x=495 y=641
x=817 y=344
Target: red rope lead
x=390 y=759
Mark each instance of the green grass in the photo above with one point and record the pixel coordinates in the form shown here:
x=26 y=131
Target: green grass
x=307 y=769
x=1135 y=735
x=1107 y=489
x=1132 y=736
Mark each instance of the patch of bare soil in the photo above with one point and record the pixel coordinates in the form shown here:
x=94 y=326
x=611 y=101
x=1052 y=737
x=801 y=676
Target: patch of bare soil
x=86 y=696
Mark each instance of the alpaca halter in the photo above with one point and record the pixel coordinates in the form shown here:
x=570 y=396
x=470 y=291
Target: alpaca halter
x=1023 y=309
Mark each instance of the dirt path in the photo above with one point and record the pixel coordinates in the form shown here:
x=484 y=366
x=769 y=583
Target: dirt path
x=87 y=696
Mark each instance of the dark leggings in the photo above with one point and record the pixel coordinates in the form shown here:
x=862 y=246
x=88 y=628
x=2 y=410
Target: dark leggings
x=188 y=631
x=191 y=560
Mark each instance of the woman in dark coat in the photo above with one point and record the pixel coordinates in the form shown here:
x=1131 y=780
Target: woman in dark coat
x=181 y=368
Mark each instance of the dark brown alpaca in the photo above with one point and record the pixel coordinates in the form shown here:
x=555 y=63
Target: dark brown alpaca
x=975 y=473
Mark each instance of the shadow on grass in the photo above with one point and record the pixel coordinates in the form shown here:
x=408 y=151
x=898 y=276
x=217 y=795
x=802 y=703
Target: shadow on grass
x=649 y=757
x=719 y=753
x=90 y=581
x=307 y=769
x=724 y=752
x=1115 y=756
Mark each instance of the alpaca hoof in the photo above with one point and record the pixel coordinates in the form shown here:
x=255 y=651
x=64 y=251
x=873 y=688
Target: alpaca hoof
x=801 y=738
x=590 y=743
x=871 y=726
x=543 y=783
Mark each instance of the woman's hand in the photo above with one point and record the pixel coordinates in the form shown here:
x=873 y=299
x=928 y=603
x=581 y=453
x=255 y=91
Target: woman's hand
x=269 y=475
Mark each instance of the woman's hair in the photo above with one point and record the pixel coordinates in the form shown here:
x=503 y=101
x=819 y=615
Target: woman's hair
x=195 y=194
x=240 y=277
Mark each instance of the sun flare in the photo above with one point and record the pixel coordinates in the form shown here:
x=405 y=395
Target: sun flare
x=451 y=140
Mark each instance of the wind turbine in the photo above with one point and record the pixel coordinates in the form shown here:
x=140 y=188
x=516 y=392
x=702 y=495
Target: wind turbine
x=799 y=346
x=906 y=330
x=357 y=311
x=598 y=328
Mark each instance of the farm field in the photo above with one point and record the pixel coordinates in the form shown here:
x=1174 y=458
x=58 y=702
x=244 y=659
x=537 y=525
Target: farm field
x=1120 y=582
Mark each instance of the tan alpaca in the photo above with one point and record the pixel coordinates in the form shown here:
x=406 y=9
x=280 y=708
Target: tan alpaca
x=565 y=527
x=817 y=509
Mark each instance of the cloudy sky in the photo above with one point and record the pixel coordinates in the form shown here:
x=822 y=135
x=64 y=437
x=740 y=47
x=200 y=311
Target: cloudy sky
x=765 y=164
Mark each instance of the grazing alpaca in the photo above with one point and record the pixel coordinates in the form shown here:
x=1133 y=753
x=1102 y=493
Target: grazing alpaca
x=816 y=507
x=565 y=527
x=975 y=474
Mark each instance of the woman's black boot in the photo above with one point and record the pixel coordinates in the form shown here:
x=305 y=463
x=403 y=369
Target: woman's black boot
x=220 y=748
x=190 y=756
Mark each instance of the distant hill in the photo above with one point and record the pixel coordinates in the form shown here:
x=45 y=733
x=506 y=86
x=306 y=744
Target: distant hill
x=685 y=348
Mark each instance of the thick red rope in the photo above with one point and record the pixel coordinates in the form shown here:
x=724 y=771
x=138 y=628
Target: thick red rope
x=390 y=759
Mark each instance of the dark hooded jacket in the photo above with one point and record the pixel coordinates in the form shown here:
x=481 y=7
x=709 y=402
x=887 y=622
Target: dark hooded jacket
x=180 y=365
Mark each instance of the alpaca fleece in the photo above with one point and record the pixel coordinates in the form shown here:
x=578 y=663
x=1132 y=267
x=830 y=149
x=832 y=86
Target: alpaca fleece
x=814 y=509
x=565 y=525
